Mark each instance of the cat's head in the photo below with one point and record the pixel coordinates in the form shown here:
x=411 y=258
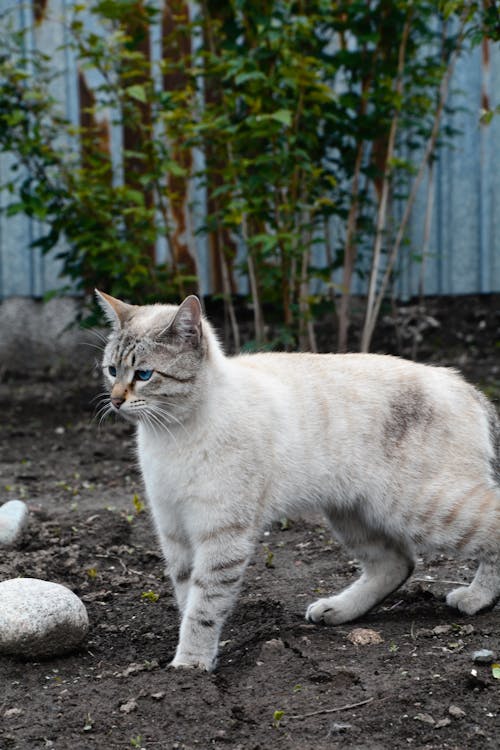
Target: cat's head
x=154 y=359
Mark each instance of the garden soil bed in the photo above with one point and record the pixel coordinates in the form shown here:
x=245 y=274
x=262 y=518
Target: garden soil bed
x=281 y=682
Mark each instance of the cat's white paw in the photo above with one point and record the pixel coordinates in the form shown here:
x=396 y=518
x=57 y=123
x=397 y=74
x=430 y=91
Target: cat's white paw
x=192 y=661
x=329 y=611
x=469 y=600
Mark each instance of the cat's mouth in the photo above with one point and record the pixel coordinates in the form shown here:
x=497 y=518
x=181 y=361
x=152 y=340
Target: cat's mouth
x=126 y=409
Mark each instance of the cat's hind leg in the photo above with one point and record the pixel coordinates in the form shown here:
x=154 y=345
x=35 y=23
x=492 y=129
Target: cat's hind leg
x=484 y=590
x=385 y=568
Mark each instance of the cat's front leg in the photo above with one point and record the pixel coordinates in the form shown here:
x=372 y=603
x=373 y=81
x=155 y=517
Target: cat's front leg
x=220 y=561
x=179 y=563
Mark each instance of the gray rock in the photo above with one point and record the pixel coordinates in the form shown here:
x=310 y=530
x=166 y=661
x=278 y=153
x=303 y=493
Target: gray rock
x=39 y=619
x=13 y=519
x=425 y=718
x=456 y=712
x=483 y=656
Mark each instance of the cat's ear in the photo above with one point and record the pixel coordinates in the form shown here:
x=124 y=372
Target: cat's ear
x=116 y=311
x=187 y=321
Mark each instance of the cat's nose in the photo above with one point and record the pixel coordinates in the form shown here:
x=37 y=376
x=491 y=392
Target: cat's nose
x=117 y=401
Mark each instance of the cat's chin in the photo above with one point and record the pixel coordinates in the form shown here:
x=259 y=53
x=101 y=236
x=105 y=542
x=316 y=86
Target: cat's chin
x=127 y=416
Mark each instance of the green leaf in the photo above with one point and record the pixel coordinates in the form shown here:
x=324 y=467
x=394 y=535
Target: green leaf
x=150 y=596
x=495 y=671
x=251 y=76
x=137 y=92
x=284 y=116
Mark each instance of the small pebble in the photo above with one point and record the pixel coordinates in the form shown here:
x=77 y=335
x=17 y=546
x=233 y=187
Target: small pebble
x=272 y=648
x=13 y=519
x=425 y=718
x=364 y=637
x=12 y=713
x=40 y=619
x=483 y=656
x=456 y=712
x=441 y=629
x=443 y=723
x=129 y=706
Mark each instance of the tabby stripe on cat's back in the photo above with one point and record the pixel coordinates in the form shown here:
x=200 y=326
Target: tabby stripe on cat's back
x=460 y=505
x=478 y=521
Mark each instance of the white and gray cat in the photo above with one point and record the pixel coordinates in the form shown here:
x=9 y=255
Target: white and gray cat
x=399 y=457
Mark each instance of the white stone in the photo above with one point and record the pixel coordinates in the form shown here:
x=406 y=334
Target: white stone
x=39 y=619
x=13 y=519
x=483 y=656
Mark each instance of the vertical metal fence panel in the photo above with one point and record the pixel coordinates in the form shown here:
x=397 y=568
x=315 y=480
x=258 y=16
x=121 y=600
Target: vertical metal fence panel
x=464 y=248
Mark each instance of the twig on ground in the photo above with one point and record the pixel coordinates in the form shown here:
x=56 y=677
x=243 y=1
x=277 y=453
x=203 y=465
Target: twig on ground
x=438 y=580
x=330 y=710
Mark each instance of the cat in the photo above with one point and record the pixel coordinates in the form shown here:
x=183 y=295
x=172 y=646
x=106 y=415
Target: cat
x=399 y=456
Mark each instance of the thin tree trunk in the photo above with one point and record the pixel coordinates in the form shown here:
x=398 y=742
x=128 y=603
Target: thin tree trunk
x=428 y=153
x=258 y=318
x=307 y=337
x=228 y=299
x=427 y=229
x=349 y=255
x=382 y=209
x=429 y=150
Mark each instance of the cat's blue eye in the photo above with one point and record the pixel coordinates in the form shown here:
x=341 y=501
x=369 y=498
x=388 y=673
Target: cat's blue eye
x=143 y=374
x=112 y=371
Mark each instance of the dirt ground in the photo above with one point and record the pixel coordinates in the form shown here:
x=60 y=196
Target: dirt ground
x=281 y=683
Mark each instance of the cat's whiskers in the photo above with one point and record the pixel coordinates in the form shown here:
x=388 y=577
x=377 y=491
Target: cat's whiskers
x=100 y=396
x=156 y=424
x=99 y=347
x=159 y=409
x=155 y=418
x=104 y=411
x=99 y=335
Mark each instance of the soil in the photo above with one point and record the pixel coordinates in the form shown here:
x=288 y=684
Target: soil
x=280 y=683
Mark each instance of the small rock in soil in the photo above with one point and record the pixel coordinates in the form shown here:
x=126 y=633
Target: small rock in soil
x=456 y=712
x=364 y=637
x=441 y=629
x=270 y=649
x=443 y=723
x=424 y=718
x=483 y=656
x=13 y=520
x=337 y=728
x=12 y=712
x=40 y=619
x=129 y=706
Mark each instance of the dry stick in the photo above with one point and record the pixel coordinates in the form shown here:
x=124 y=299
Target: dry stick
x=331 y=710
x=439 y=580
x=431 y=143
x=382 y=209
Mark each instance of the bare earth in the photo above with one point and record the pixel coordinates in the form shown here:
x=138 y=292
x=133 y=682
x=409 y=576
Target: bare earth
x=281 y=683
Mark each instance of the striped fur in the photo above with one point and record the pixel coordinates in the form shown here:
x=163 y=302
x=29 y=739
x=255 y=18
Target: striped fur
x=400 y=457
